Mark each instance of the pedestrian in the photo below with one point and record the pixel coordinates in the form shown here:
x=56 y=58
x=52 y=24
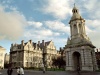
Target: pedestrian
x=78 y=69
x=21 y=71
x=43 y=67
x=9 y=71
x=0 y=69
x=18 y=71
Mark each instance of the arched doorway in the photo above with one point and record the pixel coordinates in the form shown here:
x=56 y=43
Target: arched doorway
x=76 y=60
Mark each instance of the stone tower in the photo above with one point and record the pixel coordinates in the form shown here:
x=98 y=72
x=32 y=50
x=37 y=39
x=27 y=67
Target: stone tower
x=79 y=49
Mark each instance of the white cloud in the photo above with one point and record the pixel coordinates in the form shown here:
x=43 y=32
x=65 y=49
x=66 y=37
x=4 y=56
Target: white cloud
x=60 y=9
x=35 y=24
x=88 y=30
x=45 y=32
x=11 y=24
x=59 y=42
x=92 y=8
x=93 y=23
x=92 y=26
x=57 y=25
x=6 y=1
x=95 y=38
x=57 y=34
x=40 y=34
x=93 y=29
x=46 y=35
x=91 y=4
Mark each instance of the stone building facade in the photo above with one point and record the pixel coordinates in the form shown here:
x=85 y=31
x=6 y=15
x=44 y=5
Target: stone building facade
x=30 y=54
x=6 y=59
x=79 y=49
x=97 y=53
x=2 y=55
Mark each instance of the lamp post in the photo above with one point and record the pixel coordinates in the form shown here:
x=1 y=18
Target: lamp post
x=44 y=59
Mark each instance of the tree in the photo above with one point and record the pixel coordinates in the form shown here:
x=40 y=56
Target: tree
x=59 y=62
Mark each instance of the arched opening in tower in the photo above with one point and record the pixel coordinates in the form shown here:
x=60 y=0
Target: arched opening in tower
x=77 y=61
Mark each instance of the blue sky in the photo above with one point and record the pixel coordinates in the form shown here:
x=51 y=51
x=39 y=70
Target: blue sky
x=45 y=20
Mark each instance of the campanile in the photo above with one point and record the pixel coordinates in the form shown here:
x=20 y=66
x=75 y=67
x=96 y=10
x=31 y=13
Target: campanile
x=79 y=49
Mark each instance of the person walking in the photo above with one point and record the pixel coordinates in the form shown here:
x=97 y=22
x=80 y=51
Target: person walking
x=78 y=70
x=18 y=70
x=43 y=68
x=0 y=70
x=9 y=71
x=21 y=70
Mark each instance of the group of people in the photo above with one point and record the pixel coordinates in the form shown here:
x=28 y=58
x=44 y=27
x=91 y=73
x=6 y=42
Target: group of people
x=20 y=71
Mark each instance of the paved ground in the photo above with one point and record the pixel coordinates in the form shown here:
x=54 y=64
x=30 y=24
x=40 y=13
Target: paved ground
x=30 y=72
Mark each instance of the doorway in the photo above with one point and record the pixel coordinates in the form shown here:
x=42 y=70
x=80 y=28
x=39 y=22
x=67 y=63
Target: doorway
x=76 y=60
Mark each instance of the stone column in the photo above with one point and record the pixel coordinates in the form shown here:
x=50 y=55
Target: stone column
x=88 y=61
x=95 y=61
x=68 y=60
x=83 y=57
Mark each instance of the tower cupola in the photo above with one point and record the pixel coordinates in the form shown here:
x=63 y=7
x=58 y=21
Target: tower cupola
x=76 y=15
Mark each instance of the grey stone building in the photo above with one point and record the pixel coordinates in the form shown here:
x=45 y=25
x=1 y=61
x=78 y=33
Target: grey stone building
x=79 y=49
x=6 y=59
x=30 y=54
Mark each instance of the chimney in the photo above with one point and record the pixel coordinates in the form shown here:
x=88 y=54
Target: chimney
x=60 y=48
x=12 y=45
x=30 y=41
x=22 y=42
x=39 y=43
x=97 y=50
x=43 y=42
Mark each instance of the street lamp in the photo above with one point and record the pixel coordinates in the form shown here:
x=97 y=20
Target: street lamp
x=44 y=59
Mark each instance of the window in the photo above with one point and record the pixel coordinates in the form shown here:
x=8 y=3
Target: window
x=74 y=25
x=19 y=47
x=74 y=11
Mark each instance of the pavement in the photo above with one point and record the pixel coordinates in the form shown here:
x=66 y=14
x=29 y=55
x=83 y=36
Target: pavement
x=32 y=72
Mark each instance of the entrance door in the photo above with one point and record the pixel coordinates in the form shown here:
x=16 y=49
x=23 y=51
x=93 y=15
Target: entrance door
x=76 y=60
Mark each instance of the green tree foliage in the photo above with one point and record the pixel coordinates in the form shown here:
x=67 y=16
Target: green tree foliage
x=59 y=62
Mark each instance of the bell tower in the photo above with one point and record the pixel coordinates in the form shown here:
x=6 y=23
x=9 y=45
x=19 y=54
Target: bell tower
x=77 y=25
x=79 y=49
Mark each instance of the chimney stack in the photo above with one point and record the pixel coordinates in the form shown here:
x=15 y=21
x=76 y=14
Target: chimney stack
x=39 y=43
x=30 y=41
x=97 y=50
x=43 y=42
x=22 y=42
x=12 y=45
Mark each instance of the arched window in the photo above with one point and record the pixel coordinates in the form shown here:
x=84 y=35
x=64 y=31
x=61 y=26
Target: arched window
x=74 y=11
x=74 y=25
x=80 y=28
x=75 y=29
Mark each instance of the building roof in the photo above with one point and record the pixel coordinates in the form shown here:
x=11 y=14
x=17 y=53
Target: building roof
x=2 y=48
x=35 y=44
x=76 y=15
x=47 y=43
